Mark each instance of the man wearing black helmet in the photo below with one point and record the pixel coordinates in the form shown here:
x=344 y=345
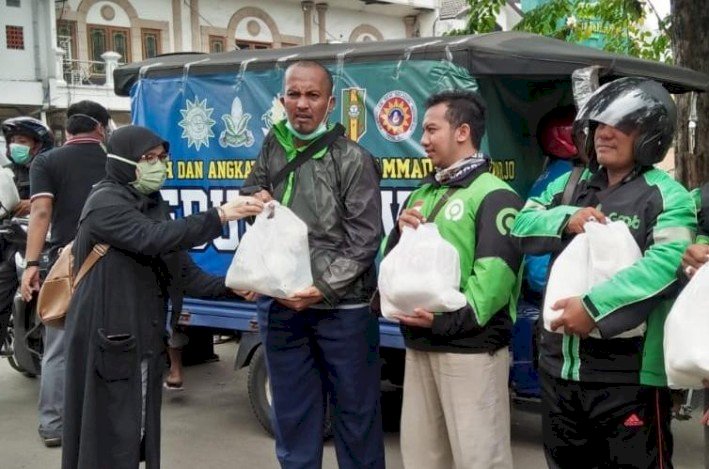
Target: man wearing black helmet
x=25 y=137
x=604 y=394
x=60 y=183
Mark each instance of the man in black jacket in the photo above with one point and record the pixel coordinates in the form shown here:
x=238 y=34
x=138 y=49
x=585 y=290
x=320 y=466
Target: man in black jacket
x=60 y=182
x=324 y=339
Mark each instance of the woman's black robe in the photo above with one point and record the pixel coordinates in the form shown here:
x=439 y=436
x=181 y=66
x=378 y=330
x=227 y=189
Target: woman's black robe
x=117 y=319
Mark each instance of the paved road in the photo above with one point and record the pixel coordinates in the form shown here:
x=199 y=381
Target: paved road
x=210 y=425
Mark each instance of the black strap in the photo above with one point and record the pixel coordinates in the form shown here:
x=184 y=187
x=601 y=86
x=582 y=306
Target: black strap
x=571 y=184
x=441 y=202
x=315 y=147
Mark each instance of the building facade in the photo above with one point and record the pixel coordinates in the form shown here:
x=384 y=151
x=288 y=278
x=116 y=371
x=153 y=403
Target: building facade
x=54 y=53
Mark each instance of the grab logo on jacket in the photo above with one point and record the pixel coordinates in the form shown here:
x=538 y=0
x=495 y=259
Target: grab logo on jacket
x=506 y=220
x=633 y=221
x=454 y=210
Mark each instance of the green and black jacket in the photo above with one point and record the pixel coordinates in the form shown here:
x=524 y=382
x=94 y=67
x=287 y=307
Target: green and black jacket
x=476 y=220
x=661 y=217
x=701 y=199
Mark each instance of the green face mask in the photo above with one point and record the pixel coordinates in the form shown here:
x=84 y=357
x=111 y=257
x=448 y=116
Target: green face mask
x=322 y=128
x=151 y=176
x=19 y=153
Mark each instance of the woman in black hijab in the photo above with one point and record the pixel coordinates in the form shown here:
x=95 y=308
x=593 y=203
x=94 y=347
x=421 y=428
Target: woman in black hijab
x=115 y=325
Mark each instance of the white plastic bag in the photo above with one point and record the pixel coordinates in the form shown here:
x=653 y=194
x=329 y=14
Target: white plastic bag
x=685 y=344
x=611 y=249
x=422 y=271
x=568 y=278
x=273 y=257
x=9 y=197
x=591 y=258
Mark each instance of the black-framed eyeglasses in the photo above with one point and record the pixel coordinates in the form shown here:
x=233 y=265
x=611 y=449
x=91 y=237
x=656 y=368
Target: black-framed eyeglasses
x=152 y=158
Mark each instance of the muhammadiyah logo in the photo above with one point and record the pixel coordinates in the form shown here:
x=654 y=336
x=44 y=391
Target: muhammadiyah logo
x=197 y=123
x=506 y=220
x=354 y=113
x=396 y=116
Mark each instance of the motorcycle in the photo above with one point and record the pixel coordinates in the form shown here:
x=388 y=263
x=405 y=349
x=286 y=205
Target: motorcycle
x=22 y=342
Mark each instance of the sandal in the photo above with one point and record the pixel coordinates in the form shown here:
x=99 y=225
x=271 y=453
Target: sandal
x=172 y=386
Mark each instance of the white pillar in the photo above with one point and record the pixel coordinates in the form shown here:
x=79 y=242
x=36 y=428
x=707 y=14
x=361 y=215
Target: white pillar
x=111 y=59
x=307 y=22
x=59 y=64
x=410 y=25
x=322 y=29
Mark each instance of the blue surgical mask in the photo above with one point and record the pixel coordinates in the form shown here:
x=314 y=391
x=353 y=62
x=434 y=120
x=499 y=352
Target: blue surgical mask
x=20 y=153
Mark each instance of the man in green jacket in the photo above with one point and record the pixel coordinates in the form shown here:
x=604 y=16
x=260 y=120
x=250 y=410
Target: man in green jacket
x=697 y=254
x=456 y=402
x=604 y=395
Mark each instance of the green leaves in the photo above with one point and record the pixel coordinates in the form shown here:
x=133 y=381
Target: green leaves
x=613 y=25
x=482 y=17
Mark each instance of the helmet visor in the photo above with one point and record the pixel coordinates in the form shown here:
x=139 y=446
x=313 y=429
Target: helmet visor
x=627 y=105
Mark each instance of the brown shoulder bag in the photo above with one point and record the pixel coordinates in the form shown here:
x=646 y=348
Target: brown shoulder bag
x=58 y=288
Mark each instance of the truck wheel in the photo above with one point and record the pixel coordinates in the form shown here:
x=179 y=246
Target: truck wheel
x=259 y=390
x=260 y=394
x=9 y=351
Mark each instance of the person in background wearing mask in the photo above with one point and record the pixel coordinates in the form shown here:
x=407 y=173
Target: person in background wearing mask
x=115 y=325
x=60 y=181
x=323 y=340
x=25 y=137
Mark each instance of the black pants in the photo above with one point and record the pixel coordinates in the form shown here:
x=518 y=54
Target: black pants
x=8 y=288
x=599 y=425
x=336 y=350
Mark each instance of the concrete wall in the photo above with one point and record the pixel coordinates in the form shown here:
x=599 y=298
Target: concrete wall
x=342 y=24
x=120 y=18
x=23 y=61
x=34 y=81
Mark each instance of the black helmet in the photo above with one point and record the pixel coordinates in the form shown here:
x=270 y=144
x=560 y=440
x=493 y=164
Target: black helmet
x=30 y=127
x=629 y=104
